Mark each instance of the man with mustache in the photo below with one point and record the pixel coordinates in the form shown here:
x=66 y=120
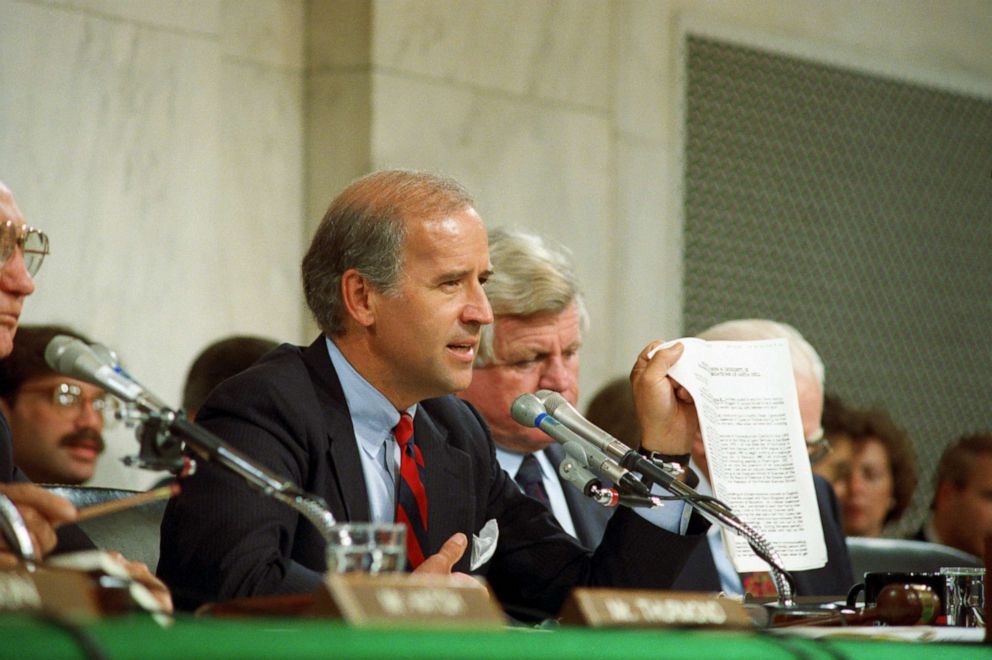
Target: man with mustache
x=22 y=251
x=56 y=421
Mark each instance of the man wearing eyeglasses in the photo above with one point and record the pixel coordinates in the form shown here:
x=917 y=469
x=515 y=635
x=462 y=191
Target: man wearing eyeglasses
x=57 y=422
x=22 y=250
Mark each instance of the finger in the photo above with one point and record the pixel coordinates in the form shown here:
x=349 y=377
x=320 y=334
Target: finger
x=42 y=533
x=667 y=356
x=139 y=572
x=683 y=394
x=446 y=557
x=655 y=357
x=54 y=508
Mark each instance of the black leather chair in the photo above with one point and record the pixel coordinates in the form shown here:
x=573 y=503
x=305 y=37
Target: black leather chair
x=133 y=532
x=903 y=555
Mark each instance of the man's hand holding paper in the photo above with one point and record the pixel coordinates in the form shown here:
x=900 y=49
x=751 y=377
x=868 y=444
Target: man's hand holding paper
x=665 y=410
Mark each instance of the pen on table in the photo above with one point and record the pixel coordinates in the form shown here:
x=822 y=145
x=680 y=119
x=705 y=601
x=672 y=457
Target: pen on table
x=104 y=508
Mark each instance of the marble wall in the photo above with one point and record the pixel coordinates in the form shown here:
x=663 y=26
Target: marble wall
x=160 y=146
x=180 y=152
x=566 y=117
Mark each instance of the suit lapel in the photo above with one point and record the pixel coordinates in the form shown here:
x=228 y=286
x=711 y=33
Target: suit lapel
x=445 y=472
x=345 y=464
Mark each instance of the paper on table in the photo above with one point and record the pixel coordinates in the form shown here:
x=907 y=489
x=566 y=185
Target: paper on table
x=745 y=396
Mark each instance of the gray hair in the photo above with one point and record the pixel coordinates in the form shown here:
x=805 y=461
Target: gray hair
x=531 y=275
x=805 y=360
x=364 y=229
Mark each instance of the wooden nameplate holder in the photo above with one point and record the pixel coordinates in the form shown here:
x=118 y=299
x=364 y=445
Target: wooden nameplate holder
x=79 y=585
x=399 y=599
x=632 y=608
x=391 y=600
x=64 y=592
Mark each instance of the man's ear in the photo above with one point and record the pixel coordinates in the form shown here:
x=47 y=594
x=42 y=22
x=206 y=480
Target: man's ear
x=357 y=294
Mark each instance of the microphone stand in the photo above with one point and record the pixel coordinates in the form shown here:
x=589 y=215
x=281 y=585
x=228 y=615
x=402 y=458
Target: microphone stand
x=158 y=423
x=164 y=423
x=15 y=531
x=716 y=511
x=666 y=477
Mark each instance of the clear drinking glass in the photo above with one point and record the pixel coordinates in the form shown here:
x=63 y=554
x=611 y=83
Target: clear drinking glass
x=965 y=596
x=373 y=548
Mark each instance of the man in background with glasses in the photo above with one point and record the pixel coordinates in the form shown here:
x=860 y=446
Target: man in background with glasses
x=22 y=249
x=56 y=421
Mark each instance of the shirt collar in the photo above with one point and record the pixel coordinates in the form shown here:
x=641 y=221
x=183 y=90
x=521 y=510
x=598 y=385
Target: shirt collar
x=372 y=415
x=511 y=461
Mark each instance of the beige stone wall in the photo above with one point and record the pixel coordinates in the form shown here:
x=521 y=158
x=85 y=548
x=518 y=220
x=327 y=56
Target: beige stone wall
x=160 y=146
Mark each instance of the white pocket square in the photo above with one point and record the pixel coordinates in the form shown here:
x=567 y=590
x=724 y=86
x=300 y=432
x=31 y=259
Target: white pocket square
x=484 y=544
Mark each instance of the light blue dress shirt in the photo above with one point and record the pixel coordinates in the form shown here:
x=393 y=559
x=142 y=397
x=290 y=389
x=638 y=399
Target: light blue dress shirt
x=730 y=580
x=373 y=418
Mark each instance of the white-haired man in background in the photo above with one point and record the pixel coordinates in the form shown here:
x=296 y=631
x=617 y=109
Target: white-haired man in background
x=709 y=568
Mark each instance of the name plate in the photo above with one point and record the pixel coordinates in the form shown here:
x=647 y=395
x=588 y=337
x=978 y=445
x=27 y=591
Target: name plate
x=68 y=593
x=399 y=599
x=627 y=608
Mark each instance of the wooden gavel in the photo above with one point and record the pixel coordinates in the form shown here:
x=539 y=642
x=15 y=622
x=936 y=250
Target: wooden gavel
x=897 y=605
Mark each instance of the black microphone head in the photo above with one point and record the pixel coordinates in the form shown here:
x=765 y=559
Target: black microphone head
x=526 y=409
x=553 y=401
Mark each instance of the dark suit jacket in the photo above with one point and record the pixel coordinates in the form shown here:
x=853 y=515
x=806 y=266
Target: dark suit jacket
x=834 y=579
x=71 y=538
x=288 y=412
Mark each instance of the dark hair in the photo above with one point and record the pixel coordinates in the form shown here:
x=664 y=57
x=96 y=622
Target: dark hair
x=612 y=409
x=27 y=359
x=364 y=229
x=958 y=461
x=218 y=362
x=862 y=425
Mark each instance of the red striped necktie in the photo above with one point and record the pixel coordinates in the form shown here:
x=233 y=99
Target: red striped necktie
x=411 y=500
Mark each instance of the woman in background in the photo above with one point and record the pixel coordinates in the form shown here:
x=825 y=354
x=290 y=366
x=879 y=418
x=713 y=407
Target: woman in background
x=872 y=466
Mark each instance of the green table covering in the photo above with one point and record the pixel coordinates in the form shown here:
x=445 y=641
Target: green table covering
x=23 y=636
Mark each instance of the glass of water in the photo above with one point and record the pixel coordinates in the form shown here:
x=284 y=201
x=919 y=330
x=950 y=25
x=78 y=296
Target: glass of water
x=964 y=596
x=372 y=547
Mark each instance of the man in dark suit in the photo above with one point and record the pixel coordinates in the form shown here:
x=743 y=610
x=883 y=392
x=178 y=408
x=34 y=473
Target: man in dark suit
x=395 y=276
x=533 y=344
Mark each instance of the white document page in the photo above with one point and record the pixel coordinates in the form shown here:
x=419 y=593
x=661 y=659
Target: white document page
x=745 y=394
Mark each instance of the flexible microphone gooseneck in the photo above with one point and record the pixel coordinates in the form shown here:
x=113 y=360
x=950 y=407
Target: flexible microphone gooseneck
x=74 y=358
x=712 y=508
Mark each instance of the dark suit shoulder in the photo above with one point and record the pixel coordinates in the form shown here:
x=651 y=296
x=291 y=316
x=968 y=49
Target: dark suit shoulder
x=463 y=422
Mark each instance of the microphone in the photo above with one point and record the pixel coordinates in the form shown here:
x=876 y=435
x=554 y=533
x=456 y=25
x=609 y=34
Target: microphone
x=528 y=411
x=561 y=410
x=556 y=406
x=73 y=357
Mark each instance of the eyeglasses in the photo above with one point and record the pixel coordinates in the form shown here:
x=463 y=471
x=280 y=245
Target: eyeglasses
x=69 y=401
x=33 y=243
